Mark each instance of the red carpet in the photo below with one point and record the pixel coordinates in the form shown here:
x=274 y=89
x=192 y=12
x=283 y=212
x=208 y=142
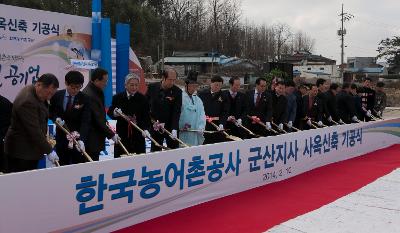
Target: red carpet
x=261 y=208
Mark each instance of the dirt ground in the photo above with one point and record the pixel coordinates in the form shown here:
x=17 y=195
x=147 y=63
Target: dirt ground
x=391 y=113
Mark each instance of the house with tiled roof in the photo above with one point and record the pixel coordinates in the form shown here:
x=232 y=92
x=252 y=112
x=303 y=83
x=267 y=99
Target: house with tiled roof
x=307 y=65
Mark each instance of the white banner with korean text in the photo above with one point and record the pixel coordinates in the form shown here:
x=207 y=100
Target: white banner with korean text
x=34 y=42
x=115 y=194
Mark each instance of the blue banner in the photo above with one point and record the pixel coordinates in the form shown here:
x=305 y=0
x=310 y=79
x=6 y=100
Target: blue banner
x=96 y=30
x=123 y=44
x=105 y=62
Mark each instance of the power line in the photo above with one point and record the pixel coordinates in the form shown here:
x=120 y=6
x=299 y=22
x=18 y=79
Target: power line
x=379 y=24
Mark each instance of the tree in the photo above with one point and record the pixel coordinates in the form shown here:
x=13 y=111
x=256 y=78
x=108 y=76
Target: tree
x=389 y=49
x=302 y=42
x=198 y=22
x=282 y=33
x=230 y=22
x=276 y=74
x=216 y=9
x=179 y=14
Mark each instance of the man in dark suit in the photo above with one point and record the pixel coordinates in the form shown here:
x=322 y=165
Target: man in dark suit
x=279 y=105
x=345 y=105
x=26 y=142
x=136 y=106
x=312 y=109
x=367 y=95
x=5 y=121
x=165 y=100
x=300 y=92
x=216 y=107
x=357 y=102
x=291 y=107
x=380 y=100
x=259 y=104
x=98 y=130
x=237 y=108
x=330 y=98
x=323 y=87
x=70 y=108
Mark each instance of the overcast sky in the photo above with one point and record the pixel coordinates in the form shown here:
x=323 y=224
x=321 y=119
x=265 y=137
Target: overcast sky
x=373 y=21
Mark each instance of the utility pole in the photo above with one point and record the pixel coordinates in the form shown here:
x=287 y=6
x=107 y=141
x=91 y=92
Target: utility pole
x=342 y=45
x=342 y=32
x=162 y=47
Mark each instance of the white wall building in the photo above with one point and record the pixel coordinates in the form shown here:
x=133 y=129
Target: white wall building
x=309 y=66
x=316 y=71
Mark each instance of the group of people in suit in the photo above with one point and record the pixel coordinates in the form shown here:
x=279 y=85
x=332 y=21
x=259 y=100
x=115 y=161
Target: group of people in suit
x=166 y=114
x=80 y=112
x=333 y=104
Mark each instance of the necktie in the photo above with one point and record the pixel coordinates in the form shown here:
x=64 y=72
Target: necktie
x=233 y=95
x=258 y=99
x=69 y=103
x=310 y=103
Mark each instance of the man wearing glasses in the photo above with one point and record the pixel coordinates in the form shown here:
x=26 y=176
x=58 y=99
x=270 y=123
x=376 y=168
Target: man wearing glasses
x=70 y=108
